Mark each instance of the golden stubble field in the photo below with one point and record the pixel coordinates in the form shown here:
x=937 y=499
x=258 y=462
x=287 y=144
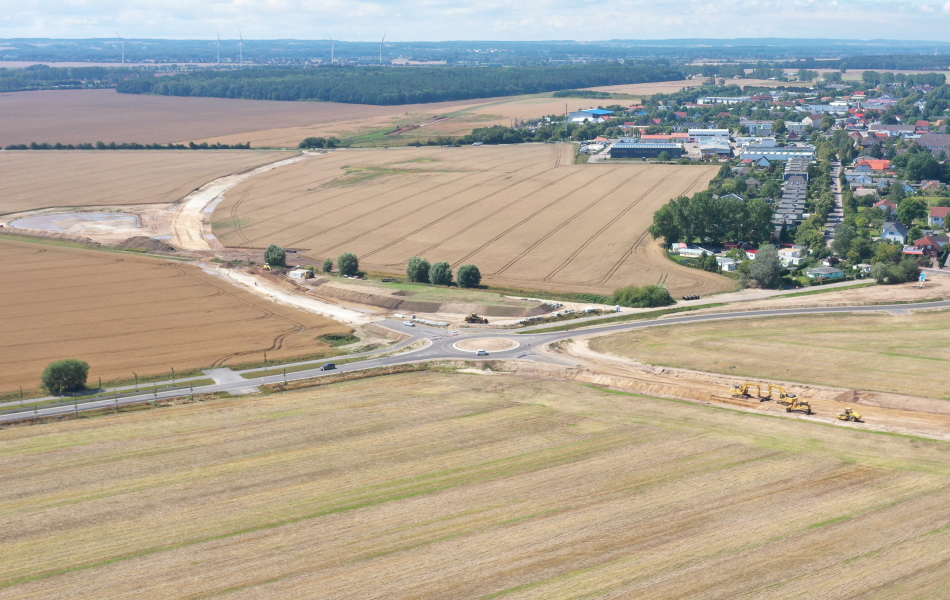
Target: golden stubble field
x=429 y=485
x=904 y=354
x=123 y=313
x=32 y=179
x=525 y=214
x=79 y=116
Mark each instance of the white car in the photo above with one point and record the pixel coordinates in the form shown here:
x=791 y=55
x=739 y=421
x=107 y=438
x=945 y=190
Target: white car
x=408 y=323
x=481 y=353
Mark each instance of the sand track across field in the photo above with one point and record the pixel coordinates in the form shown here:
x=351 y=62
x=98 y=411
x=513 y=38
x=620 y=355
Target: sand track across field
x=526 y=215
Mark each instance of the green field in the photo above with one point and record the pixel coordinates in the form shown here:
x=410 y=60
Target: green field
x=436 y=485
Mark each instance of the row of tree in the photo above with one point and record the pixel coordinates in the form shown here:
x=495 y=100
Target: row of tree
x=129 y=146
x=42 y=77
x=371 y=85
x=419 y=270
x=705 y=218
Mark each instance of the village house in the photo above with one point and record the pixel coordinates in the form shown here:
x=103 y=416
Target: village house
x=938 y=216
x=894 y=231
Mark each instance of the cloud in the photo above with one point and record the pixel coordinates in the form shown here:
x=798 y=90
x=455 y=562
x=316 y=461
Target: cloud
x=475 y=20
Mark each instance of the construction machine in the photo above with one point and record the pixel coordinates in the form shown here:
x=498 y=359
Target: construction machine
x=849 y=415
x=474 y=318
x=744 y=390
x=790 y=400
x=267 y=267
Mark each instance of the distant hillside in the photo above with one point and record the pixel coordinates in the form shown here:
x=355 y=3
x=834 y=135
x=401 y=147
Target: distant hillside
x=387 y=86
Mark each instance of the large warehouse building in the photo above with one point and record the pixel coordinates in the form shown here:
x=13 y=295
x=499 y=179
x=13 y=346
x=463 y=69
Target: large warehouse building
x=640 y=150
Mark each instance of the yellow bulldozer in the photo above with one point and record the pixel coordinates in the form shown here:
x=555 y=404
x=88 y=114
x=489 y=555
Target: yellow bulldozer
x=790 y=400
x=849 y=415
x=744 y=390
x=474 y=318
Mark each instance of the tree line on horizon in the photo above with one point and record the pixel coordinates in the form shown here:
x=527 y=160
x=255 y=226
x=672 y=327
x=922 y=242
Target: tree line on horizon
x=392 y=86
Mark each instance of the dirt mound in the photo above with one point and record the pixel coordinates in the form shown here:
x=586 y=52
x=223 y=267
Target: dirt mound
x=147 y=244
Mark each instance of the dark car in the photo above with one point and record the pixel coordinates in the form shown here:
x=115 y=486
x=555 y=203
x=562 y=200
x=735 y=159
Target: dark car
x=328 y=367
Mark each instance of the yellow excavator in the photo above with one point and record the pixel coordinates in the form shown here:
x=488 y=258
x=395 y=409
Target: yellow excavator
x=849 y=415
x=790 y=400
x=744 y=390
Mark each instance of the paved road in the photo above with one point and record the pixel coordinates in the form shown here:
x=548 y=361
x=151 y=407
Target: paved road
x=836 y=217
x=442 y=346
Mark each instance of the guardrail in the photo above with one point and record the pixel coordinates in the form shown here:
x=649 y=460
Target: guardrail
x=34 y=410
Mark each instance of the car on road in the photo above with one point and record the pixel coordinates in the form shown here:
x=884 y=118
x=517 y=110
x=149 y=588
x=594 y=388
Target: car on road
x=408 y=323
x=328 y=367
x=481 y=353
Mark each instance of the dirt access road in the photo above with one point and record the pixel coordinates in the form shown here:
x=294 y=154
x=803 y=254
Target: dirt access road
x=191 y=227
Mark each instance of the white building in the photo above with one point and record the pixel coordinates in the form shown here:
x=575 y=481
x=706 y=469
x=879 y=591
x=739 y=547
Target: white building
x=702 y=135
x=783 y=154
x=723 y=99
x=757 y=142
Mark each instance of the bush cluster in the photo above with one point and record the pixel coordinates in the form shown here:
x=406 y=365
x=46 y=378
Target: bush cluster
x=648 y=296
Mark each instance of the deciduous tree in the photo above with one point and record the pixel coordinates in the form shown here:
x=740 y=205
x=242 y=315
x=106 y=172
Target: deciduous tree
x=67 y=375
x=441 y=273
x=348 y=264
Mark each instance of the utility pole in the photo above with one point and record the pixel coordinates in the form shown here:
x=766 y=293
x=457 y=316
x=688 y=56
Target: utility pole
x=136 y=380
x=173 y=376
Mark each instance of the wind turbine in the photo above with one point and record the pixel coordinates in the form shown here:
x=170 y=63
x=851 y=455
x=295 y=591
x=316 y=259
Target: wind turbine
x=219 y=49
x=332 y=44
x=381 y=49
x=241 y=49
x=123 y=46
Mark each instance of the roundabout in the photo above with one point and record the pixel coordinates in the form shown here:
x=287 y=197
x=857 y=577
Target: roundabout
x=488 y=344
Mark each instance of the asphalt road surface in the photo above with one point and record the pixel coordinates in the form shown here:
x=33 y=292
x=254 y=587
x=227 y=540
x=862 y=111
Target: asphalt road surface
x=441 y=346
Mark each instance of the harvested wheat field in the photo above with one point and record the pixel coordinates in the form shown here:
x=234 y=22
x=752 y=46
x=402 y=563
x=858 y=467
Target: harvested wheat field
x=906 y=354
x=427 y=485
x=33 y=179
x=80 y=116
x=122 y=313
x=525 y=214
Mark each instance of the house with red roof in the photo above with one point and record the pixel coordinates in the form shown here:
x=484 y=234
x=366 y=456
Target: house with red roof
x=938 y=216
x=922 y=127
x=888 y=206
x=868 y=165
x=930 y=245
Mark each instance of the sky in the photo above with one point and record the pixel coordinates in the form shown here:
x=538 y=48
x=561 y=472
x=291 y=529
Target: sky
x=432 y=20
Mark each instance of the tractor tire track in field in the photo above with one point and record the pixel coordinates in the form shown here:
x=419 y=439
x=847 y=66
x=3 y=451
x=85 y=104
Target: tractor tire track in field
x=369 y=198
x=636 y=244
x=606 y=226
x=422 y=208
x=492 y=214
x=235 y=219
x=343 y=192
x=321 y=215
x=567 y=222
x=276 y=343
x=469 y=205
x=525 y=220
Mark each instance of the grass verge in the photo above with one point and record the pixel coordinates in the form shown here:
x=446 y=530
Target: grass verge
x=634 y=317
x=825 y=290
